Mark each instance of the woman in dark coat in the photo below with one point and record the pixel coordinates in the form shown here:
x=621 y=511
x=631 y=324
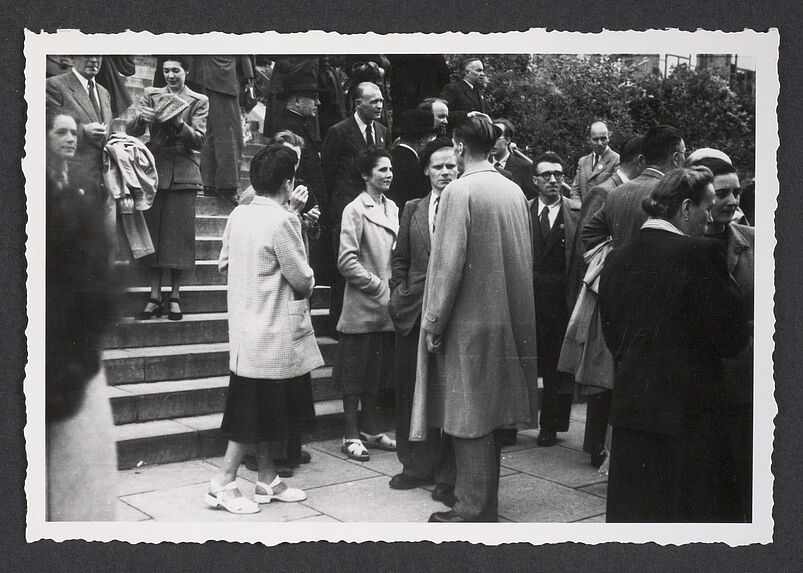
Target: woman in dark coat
x=176 y=140
x=739 y=244
x=670 y=313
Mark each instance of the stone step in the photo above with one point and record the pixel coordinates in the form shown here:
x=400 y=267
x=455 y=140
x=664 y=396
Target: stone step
x=210 y=225
x=198 y=299
x=149 y=364
x=212 y=206
x=181 y=439
x=204 y=273
x=207 y=247
x=193 y=328
x=146 y=402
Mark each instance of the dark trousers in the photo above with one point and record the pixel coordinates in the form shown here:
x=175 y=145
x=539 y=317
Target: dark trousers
x=598 y=409
x=683 y=478
x=220 y=156
x=477 y=484
x=433 y=458
x=556 y=407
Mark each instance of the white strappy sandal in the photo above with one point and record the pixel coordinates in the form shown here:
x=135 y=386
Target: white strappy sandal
x=289 y=495
x=355 y=449
x=225 y=497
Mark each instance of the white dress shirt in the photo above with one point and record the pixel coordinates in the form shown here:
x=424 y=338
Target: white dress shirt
x=85 y=82
x=362 y=125
x=554 y=209
x=432 y=198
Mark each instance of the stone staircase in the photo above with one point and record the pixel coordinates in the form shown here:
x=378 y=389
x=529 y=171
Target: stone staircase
x=168 y=378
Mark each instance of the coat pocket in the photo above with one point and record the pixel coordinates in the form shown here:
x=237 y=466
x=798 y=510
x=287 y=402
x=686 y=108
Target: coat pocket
x=300 y=320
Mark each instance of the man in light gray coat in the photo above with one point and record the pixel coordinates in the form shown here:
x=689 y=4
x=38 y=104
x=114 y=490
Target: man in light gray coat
x=479 y=318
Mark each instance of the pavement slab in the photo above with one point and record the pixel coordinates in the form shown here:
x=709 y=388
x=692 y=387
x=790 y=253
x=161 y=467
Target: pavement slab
x=561 y=465
x=528 y=499
x=186 y=503
x=162 y=476
x=600 y=489
x=124 y=512
x=371 y=500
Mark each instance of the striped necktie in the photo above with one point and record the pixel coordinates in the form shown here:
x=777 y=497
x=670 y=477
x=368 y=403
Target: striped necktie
x=93 y=98
x=435 y=216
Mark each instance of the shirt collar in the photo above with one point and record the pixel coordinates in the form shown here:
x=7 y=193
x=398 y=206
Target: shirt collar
x=362 y=125
x=662 y=225
x=503 y=160
x=622 y=176
x=468 y=83
x=369 y=201
x=660 y=173
x=82 y=79
x=552 y=207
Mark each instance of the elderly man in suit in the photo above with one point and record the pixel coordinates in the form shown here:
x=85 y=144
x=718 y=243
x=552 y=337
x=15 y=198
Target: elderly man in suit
x=440 y=113
x=554 y=226
x=598 y=405
x=597 y=166
x=432 y=459
x=416 y=128
x=521 y=170
x=77 y=93
x=621 y=216
x=342 y=143
x=465 y=94
x=479 y=320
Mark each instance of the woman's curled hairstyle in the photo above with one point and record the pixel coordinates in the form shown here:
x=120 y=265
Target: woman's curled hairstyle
x=367 y=159
x=478 y=134
x=271 y=167
x=677 y=186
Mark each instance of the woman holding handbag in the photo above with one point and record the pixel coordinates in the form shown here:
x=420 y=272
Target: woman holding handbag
x=272 y=343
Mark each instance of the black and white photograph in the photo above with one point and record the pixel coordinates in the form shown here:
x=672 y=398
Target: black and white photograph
x=519 y=284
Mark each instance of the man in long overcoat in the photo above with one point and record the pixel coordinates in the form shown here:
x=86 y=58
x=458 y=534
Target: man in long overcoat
x=479 y=316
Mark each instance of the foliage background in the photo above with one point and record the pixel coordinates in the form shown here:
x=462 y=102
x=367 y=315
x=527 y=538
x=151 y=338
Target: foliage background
x=553 y=99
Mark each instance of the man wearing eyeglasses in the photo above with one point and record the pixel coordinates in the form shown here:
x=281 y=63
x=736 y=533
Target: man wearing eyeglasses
x=555 y=219
x=597 y=166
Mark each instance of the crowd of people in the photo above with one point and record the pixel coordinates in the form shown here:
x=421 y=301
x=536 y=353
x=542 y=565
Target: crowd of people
x=461 y=272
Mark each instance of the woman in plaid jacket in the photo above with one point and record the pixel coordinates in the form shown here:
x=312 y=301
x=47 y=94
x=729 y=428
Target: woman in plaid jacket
x=272 y=344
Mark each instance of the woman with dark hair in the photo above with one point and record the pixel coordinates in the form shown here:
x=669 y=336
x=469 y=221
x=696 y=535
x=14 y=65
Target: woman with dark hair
x=175 y=116
x=368 y=232
x=272 y=344
x=670 y=313
x=81 y=462
x=739 y=244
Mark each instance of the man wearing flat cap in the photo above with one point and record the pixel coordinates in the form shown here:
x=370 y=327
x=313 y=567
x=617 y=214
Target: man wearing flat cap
x=416 y=129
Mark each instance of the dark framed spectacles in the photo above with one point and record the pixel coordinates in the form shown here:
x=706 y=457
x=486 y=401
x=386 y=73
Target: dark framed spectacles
x=547 y=175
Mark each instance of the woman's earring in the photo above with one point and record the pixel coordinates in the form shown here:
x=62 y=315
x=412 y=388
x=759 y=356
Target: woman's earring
x=687 y=219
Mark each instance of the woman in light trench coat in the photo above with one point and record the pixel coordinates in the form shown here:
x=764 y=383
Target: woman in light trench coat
x=272 y=344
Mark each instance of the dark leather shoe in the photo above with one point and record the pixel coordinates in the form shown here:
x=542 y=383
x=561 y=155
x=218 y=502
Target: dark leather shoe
x=404 y=481
x=293 y=462
x=446 y=517
x=598 y=458
x=444 y=494
x=547 y=438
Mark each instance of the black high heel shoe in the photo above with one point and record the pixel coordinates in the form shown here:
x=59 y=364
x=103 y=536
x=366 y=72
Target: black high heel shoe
x=174 y=315
x=152 y=308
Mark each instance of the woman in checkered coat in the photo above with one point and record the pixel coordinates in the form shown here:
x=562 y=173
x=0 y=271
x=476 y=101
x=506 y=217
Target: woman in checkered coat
x=272 y=344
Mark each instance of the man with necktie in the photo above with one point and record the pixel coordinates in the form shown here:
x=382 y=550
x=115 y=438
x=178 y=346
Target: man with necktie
x=597 y=166
x=342 y=143
x=555 y=220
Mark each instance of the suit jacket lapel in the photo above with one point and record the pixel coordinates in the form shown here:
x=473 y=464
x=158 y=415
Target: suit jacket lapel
x=602 y=165
x=420 y=221
x=354 y=132
x=736 y=244
x=538 y=244
x=570 y=220
x=80 y=95
x=376 y=214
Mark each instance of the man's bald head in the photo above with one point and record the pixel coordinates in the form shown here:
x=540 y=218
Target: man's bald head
x=368 y=101
x=598 y=136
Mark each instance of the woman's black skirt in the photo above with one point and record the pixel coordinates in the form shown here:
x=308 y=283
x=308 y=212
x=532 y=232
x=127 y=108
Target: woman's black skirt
x=260 y=409
x=365 y=363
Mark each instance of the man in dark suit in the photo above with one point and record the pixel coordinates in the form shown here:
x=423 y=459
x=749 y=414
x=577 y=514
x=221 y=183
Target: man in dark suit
x=621 y=216
x=300 y=97
x=221 y=78
x=520 y=170
x=598 y=405
x=465 y=94
x=409 y=181
x=440 y=113
x=432 y=459
x=554 y=226
x=597 y=166
x=77 y=93
x=342 y=143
